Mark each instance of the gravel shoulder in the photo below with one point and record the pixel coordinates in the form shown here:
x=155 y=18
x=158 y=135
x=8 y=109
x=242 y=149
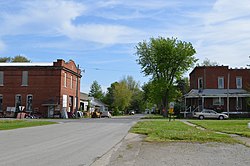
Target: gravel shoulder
x=133 y=151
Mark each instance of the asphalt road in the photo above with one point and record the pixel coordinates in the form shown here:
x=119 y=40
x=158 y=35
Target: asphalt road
x=69 y=143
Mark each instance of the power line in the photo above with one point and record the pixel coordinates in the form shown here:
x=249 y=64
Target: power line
x=113 y=70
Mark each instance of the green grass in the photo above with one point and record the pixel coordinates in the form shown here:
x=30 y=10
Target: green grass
x=163 y=130
x=227 y=126
x=14 y=124
x=153 y=116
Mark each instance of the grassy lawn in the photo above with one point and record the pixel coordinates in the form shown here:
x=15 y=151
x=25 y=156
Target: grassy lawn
x=14 y=124
x=163 y=130
x=153 y=116
x=227 y=126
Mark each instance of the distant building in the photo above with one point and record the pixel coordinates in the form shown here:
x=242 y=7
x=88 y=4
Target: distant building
x=219 y=87
x=48 y=89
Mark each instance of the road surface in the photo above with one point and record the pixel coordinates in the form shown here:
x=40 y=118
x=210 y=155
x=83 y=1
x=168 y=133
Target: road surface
x=69 y=143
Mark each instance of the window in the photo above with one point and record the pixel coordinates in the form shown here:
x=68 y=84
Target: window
x=65 y=79
x=1 y=78
x=218 y=101
x=29 y=103
x=238 y=82
x=18 y=102
x=200 y=83
x=1 y=103
x=221 y=82
x=25 y=78
x=71 y=82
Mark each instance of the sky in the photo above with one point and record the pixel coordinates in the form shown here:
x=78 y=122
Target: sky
x=101 y=35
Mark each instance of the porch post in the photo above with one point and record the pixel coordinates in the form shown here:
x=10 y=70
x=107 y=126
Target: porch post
x=202 y=103
x=185 y=101
x=237 y=103
x=228 y=79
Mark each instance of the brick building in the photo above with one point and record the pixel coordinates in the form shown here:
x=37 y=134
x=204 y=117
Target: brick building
x=219 y=88
x=48 y=89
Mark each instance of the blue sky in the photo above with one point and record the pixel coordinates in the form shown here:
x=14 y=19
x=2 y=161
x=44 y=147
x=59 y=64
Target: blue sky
x=101 y=35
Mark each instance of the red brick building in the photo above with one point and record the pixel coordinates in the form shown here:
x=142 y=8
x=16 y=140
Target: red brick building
x=220 y=88
x=48 y=89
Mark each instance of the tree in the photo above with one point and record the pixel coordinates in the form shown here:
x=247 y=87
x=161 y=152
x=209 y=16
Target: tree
x=136 y=103
x=122 y=96
x=165 y=60
x=96 y=91
x=5 y=59
x=207 y=62
x=17 y=58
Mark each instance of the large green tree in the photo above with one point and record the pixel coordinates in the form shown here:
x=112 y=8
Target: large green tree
x=122 y=96
x=136 y=102
x=18 y=58
x=165 y=60
x=96 y=90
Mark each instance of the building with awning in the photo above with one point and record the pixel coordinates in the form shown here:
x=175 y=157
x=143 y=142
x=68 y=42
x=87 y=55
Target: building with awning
x=218 y=88
x=47 y=89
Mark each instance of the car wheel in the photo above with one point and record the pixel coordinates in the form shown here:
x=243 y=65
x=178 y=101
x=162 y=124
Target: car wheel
x=201 y=117
x=221 y=117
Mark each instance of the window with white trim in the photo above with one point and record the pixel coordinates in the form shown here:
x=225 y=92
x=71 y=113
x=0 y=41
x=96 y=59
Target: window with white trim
x=25 y=78
x=238 y=82
x=71 y=82
x=29 y=101
x=1 y=78
x=18 y=102
x=221 y=82
x=65 y=79
x=200 y=83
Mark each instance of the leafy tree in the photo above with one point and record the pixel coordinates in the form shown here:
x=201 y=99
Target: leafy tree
x=17 y=58
x=5 y=59
x=208 y=62
x=165 y=60
x=122 y=96
x=109 y=96
x=131 y=83
x=136 y=103
x=96 y=91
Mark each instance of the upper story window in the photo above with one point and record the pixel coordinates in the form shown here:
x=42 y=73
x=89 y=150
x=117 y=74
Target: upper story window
x=238 y=82
x=200 y=83
x=25 y=78
x=71 y=82
x=65 y=79
x=1 y=78
x=221 y=82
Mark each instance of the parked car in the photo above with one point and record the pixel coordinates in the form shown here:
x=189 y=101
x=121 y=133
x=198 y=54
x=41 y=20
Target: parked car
x=106 y=114
x=95 y=114
x=208 y=113
x=131 y=112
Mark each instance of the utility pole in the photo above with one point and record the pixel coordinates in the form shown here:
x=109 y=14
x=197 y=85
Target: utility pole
x=228 y=79
x=77 y=91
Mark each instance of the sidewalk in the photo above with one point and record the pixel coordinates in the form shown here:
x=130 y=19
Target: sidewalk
x=133 y=151
x=244 y=140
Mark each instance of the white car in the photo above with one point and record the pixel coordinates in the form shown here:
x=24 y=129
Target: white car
x=207 y=113
x=106 y=114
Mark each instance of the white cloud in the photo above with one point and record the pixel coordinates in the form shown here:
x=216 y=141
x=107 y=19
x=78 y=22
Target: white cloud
x=40 y=17
x=221 y=34
x=101 y=33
